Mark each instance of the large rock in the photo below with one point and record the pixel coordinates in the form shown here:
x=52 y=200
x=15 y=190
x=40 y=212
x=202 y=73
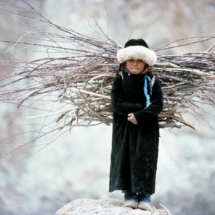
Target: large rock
x=103 y=207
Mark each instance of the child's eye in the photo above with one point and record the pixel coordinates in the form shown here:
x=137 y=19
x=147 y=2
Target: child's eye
x=131 y=60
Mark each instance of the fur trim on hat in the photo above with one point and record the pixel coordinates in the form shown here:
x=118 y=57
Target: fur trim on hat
x=137 y=52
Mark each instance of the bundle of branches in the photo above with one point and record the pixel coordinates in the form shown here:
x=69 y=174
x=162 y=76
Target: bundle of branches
x=188 y=82
x=70 y=85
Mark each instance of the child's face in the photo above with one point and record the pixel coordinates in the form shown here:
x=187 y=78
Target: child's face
x=135 y=66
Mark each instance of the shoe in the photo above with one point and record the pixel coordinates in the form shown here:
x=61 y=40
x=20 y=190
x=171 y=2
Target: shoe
x=130 y=199
x=144 y=206
x=144 y=202
x=130 y=203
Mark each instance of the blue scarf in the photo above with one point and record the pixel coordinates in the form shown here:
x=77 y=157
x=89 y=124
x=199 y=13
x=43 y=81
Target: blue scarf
x=147 y=93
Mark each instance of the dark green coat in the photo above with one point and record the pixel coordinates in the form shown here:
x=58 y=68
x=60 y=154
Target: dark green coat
x=135 y=147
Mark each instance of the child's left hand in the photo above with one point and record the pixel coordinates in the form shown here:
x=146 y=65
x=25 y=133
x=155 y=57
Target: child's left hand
x=132 y=118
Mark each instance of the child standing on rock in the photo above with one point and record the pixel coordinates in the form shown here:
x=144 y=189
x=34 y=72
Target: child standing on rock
x=137 y=99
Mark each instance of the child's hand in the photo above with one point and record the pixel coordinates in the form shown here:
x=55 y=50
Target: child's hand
x=132 y=118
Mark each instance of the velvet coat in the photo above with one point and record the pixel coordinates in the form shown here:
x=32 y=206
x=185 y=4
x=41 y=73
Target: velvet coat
x=134 y=147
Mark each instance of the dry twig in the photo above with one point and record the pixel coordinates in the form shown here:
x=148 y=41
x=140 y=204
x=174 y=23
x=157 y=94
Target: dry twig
x=77 y=72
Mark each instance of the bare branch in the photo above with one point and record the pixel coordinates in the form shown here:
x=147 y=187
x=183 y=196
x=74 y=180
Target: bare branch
x=76 y=73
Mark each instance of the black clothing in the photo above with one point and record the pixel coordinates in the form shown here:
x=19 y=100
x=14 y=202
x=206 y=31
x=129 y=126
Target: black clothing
x=135 y=147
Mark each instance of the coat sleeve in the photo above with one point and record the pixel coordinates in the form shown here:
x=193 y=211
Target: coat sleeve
x=119 y=104
x=145 y=115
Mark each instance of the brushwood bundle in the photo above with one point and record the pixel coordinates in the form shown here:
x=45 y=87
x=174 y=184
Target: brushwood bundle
x=79 y=82
x=70 y=84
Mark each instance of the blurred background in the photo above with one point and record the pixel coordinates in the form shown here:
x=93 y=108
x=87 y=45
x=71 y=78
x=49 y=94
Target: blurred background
x=39 y=179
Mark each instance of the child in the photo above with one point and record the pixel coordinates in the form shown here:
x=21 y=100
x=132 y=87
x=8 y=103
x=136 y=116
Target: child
x=137 y=99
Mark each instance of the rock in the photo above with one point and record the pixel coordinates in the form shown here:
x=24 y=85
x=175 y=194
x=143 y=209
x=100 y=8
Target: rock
x=103 y=207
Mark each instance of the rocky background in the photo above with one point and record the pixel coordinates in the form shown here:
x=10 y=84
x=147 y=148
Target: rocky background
x=105 y=206
x=39 y=178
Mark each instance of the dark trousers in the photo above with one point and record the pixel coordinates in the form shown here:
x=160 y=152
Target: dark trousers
x=136 y=196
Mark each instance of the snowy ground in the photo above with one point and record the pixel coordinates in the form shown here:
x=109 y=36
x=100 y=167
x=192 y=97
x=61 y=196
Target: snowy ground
x=77 y=166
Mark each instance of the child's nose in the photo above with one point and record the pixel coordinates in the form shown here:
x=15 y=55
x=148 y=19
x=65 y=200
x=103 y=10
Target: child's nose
x=135 y=62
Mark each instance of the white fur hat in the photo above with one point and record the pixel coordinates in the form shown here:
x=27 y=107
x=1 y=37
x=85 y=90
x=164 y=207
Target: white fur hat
x=137 y=52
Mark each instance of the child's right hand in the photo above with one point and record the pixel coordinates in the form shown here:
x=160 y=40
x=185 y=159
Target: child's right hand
x=132 y=118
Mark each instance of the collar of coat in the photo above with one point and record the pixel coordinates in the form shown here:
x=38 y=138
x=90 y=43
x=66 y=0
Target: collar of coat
x=126 y=71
